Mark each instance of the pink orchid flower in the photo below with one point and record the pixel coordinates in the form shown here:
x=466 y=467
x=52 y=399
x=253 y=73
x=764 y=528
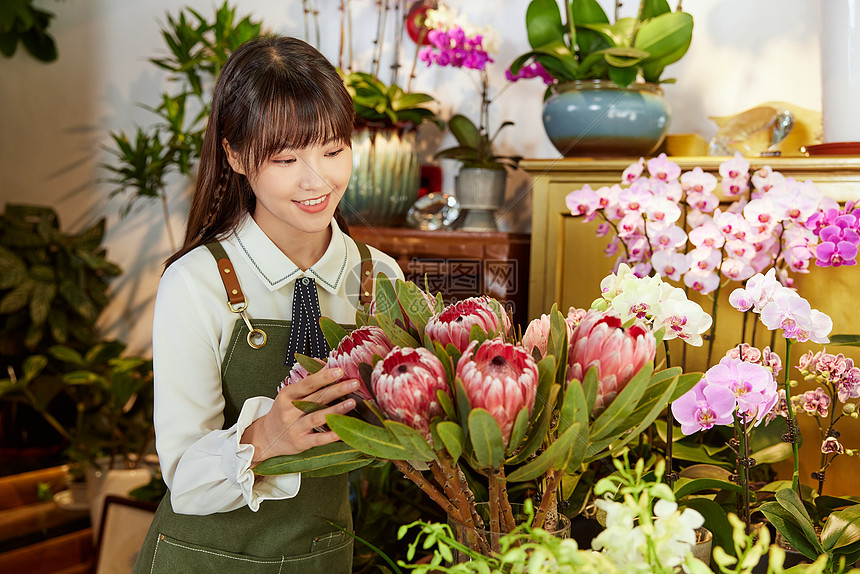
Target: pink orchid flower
x=662 y=169
x=704 y=406
x=699 y=181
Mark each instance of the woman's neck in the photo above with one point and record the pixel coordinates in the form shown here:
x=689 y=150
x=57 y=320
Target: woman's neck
x=303 y=248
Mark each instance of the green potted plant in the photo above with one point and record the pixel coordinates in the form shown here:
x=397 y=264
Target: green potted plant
x=587 y=56
x=198 y=48
x=53 y=286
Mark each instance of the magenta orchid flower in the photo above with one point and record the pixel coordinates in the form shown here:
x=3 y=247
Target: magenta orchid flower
x=704 y=406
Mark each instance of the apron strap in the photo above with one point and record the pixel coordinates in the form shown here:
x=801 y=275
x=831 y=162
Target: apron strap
x=366 y=281
x=227 y=273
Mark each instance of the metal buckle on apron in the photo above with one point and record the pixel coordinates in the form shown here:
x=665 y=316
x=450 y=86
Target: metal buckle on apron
x=256 y=337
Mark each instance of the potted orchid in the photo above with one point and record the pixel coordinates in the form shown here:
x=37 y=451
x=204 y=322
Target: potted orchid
x=467 y=411
x=606 y=74
x=454 y=42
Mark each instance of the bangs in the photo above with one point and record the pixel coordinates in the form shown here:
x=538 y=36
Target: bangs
x=297 y=113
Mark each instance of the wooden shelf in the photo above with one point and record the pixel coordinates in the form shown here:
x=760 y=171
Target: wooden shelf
x=460 y=264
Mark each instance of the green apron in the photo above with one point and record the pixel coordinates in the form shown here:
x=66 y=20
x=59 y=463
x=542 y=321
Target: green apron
x=290 y=535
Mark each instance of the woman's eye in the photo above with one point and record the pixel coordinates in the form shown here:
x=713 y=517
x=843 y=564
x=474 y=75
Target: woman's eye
x=284 y=161
x=334 y=153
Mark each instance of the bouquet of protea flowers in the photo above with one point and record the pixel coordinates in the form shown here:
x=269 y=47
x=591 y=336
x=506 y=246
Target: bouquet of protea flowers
x=463 y=408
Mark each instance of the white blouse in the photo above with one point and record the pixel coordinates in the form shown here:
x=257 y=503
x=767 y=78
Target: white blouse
x=205 y=467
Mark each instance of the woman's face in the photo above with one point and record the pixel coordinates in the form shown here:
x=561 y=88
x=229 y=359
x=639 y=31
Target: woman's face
x=297 y=190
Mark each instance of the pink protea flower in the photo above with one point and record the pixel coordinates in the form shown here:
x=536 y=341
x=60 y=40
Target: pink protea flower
x=359 y=347
x=406 y=382
x=297 y=373
x=501 y=378
x=455 y=322
x=601 y=341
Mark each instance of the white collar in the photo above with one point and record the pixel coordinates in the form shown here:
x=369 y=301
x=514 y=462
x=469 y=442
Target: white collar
x=276 y=269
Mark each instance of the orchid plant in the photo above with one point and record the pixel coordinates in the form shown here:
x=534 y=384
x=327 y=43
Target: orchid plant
x=672 y=224
x=464 y=409
x=455 y=43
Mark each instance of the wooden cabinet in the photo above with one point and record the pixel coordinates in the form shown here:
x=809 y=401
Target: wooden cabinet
x=459 y=264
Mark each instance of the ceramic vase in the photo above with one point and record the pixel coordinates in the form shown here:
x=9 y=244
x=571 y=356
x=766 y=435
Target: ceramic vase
x=385 y=177
x=480 y=192
x=597 y=118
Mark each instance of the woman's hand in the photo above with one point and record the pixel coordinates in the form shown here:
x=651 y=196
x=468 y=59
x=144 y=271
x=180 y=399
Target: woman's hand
x=288 y=430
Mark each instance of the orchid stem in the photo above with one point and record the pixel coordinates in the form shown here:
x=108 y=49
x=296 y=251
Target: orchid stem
x=795 y=450
x=670 y=426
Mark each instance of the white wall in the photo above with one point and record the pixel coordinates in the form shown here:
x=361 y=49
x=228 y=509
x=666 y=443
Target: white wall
x=54 y=118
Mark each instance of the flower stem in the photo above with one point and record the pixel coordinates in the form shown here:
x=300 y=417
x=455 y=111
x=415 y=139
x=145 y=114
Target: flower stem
x=547 y=497
x=670 y=426
x=792 y=420
x=742 y=467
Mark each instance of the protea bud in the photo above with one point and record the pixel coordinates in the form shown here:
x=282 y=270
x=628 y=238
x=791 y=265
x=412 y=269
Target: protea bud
x=537 y=333
x=618 y=353
x=455 y=322
x=359 y=347
x=406 y=382
x=501 y=378
x=297 y=373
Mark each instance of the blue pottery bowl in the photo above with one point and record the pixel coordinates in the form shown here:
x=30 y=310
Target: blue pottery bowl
x=598 y=118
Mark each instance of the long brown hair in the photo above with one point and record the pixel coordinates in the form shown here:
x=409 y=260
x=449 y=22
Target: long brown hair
x=273 y=93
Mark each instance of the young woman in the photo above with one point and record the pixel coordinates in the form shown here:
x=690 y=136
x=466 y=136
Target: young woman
x=263 y=258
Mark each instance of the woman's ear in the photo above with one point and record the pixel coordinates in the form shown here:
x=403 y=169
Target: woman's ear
x=232 y=159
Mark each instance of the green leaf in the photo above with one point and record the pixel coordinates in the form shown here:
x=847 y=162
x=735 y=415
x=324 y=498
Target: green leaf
x=622 y=405
x=370 y=439
x=465 y=131
x=841 y=529
x=308 y=407
x=543 y=23
x=537 y=431
x=17 y=298
x=452 y=437
x=486 y=438
x=652 y=8
x=786 y=524
x=332 y=332
x=791 y=502
x=413 y=303
x=411 y=439
x=67 y=355
x=387 y=304
x=40 y=302
x=589 y=387
x=845 y=340
x=518 y=431
x=320 y=457
x=669 y=33
x=33 y=367
x=557 y=455
x=686 y=487
x=311 y=364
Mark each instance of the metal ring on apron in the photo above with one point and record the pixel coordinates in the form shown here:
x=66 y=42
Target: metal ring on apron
x=256 y=337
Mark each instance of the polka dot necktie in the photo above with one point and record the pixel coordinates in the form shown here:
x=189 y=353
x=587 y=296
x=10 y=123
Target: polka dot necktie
x=306 y=337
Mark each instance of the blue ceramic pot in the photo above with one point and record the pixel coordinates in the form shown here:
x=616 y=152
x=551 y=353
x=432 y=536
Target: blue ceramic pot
x=597 y=118
x=385 y=177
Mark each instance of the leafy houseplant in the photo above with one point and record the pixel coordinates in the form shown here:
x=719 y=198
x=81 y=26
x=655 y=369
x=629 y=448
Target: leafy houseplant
x=586 y=46
x=21 y=21
x=606 y=101
x=198 y=48
x=53 y=286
